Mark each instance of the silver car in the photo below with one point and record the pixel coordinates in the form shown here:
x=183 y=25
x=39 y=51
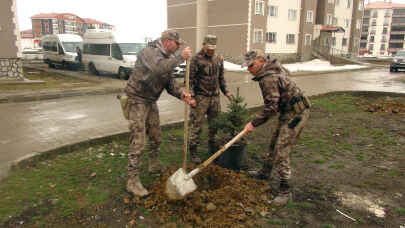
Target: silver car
x=398 y=61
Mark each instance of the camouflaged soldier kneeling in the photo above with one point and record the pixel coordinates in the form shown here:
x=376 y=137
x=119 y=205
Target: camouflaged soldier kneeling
x=152 y=73
x=206 y=79
x=281 y=95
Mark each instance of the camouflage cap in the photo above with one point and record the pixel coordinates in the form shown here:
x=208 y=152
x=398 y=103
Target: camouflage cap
x=172 y=35
x=210 y=41
x=250 y=56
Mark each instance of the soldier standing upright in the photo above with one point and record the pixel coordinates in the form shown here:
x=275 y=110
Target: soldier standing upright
x=206 y=79
x=281 y=95
x=152 y=73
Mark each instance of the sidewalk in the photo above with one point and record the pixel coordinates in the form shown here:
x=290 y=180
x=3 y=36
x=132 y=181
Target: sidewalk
x=107 y=84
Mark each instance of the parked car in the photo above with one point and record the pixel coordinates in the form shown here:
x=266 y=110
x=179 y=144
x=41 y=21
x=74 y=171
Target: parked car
x=180 y=71
x=398 y=61
x=60 y=49
x=110 y=52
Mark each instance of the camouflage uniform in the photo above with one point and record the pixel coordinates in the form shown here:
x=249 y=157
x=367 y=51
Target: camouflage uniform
x=206 y=78
x=281 y=95
x=152 y=73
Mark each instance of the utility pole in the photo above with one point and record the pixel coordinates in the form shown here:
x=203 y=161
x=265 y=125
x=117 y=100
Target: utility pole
x=202 y=22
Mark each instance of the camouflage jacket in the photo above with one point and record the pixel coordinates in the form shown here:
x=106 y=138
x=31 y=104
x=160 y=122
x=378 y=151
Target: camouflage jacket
x=207 y=75
x=153 y=73
x=278 y=91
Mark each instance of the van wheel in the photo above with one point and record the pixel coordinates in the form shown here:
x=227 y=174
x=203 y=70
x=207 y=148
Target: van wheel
x=123 y=74
x=93 y=69
x=50 y=64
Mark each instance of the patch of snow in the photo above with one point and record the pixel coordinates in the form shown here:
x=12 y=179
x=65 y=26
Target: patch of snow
x=313 y=65
x=233 y=67
x=362 y=202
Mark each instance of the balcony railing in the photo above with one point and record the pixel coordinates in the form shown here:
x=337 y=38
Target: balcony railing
x=396 y=40
x=397 y=32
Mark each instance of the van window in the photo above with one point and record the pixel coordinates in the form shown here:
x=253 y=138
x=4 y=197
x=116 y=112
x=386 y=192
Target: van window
x=97 y=49
x=131 y=48
x=71 y=46
x=116 y=52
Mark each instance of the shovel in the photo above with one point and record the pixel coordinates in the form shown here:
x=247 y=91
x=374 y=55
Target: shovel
x=180 y=183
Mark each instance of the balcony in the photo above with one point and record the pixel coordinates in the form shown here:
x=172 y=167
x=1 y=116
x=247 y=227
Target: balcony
x=397 y=41
x=397 y=32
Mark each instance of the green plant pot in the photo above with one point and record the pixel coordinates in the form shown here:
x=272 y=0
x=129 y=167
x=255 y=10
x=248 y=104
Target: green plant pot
x=233 y=157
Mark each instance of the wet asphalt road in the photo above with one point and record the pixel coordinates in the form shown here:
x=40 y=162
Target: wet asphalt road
x=33 y=127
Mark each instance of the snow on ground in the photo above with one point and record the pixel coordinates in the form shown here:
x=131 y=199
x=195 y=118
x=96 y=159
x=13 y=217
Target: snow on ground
x=313 y=65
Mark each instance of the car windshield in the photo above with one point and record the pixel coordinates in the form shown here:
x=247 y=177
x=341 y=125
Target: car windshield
x=71 y=46
x=401 y=54
x=130 y=48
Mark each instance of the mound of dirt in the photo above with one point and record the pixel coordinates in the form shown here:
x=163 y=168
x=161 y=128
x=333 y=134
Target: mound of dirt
x=223 y=198
x=388 y=107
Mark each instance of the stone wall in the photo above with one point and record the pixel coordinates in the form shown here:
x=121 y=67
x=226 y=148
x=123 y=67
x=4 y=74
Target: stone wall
x=11 y=69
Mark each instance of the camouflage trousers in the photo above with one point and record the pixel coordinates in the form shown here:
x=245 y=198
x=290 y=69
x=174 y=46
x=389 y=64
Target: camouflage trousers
x=283 y=140
x=209 y=106
x=143 y=120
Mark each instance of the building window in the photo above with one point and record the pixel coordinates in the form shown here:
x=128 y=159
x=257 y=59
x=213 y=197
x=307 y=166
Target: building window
x=363 y=45
x=374 y=22
x=375 y=13
x=308 y=39
x=258 y=36
x=385 y=30
x=310 y=16
x=382 y=47
x=361 y=5
x=271 y=37
x=344 y=42
x=333 y=41
x=273 y=11
x=290 y=38
x=371 y=47
x=386 y=21
x=371 y=39
x=358 y=24
x=387 y=13
x=383 y=39
x=292 y=15
x=329 y=19
x=348 y=4
x=335 y=21
x=259 y=7
x=347 y=23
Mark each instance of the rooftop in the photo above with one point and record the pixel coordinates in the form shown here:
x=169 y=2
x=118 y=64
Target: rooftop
x=383 y=5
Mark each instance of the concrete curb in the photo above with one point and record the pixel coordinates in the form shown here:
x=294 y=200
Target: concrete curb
x=55 y=95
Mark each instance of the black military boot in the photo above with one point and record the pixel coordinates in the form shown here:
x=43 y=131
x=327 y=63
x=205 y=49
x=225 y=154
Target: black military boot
x=284 y=195
x=194 y=156
x=262 y=174
x=212 y=147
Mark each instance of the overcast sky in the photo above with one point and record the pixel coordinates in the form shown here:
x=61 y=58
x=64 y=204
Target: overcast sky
x=138 y=18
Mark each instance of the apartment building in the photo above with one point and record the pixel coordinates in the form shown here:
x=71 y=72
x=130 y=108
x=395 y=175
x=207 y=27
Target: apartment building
x=285 y=28
x=10 y=61
x=383 y=30
x=59 y=23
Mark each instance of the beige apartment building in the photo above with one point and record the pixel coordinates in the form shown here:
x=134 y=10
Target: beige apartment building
x=10 y=63
x=383 y=30
x=285 y=28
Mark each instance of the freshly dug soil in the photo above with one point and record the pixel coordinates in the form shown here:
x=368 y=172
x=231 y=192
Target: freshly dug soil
x=223 y=198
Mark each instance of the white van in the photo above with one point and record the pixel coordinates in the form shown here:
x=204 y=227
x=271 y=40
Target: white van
x=110 y=52
x=61 y=49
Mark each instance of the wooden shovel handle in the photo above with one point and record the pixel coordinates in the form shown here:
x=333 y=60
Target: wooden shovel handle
x=185 y=146
x=219 y=152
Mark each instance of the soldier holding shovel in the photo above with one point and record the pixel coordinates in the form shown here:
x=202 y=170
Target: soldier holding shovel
x=281 y=95
x=152 y=73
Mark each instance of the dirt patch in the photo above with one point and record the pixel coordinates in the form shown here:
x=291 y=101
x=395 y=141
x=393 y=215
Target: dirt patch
x=223 y=198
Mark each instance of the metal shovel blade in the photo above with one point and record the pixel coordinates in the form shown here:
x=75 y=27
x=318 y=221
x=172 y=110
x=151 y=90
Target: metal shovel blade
x=179 y=185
